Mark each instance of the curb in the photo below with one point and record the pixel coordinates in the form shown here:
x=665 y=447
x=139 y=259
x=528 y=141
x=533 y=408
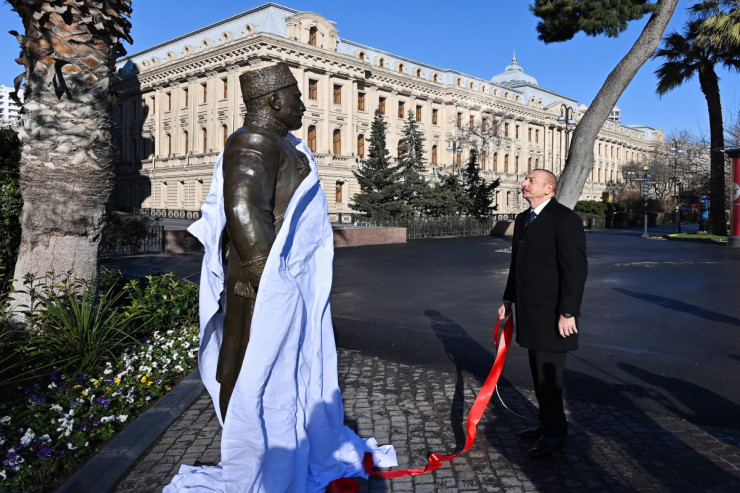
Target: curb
x=109 y=465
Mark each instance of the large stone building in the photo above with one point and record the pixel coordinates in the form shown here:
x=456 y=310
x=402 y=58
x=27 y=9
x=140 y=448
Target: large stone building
x=180 y=100
x=9 y=109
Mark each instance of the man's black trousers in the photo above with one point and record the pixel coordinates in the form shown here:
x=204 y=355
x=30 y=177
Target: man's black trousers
x=547 y=375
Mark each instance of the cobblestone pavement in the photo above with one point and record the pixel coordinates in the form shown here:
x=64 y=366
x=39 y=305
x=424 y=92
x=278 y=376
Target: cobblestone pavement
x=421 y=410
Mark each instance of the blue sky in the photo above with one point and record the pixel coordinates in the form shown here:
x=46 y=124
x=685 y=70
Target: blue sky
x=475 y=37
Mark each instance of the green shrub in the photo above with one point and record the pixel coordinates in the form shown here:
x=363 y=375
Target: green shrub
x=592 y=207
x=11 y=202
x=164 y=300
x=79 y=325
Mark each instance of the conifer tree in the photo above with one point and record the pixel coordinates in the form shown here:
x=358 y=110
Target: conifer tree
x=478 y=193
x=412 y=187
x=377 y=178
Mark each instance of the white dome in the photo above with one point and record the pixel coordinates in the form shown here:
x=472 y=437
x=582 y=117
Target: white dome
x=514 y=73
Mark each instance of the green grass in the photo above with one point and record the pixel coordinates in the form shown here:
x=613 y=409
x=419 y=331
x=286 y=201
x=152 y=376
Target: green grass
x=705 y=237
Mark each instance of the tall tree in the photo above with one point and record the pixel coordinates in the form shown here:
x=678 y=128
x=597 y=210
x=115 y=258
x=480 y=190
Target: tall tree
x=412 y=187
x=478 y=192
x=68 y=50
x=560 y=21
x=686 y=57
x=721 y=27
x=377 y=178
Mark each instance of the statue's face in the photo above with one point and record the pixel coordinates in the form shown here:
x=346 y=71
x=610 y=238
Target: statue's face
x=291 y=109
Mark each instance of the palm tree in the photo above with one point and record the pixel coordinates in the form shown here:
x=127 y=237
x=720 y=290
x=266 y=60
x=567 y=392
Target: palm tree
x=721 y=27
x=68 y=51
x=686 y=57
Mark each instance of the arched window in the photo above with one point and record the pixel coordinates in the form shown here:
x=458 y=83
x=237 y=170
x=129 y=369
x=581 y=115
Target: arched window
x=506 y=164
x=418 y=72
x=205 y=139
x=458 y=159
x=435 y=77
x=362 y=56
x=186 y=138
x=495 y=161
x=225 y=132
x=338 y=192
x=361 y=146
x=401 y=68
x=168 y=141
x=434 y=155
x=483 y=160
x=312 y=36
x=312 y=138
x=381 y=62
x=337 y=142
x=529 y=165
x=516 y=164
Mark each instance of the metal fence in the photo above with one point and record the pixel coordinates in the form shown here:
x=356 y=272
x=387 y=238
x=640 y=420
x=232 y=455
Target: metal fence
x=168 y=213
x=423 y=227
x=150 y=242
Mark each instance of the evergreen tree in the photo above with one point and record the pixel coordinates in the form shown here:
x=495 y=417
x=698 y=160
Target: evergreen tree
x=445 y=196
x=478 y=193
x=377 y=178
x=412 y=187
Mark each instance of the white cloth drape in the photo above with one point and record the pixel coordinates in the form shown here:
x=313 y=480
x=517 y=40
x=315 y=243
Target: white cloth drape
x=284 y=430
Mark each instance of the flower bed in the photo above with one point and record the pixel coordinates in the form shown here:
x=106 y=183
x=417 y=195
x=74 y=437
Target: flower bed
x=50 y=424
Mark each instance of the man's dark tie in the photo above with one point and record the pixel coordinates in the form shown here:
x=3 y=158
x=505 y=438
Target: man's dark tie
x=532 y=216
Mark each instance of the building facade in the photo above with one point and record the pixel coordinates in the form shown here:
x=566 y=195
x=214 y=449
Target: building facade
x=179 y=102
x=9 y=109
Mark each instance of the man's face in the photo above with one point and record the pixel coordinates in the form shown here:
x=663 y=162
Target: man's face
x=536 y=188
x=291 y=109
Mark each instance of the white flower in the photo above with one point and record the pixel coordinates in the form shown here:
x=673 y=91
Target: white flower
x=107 y=419
x=71 y=447
x=52 y=385
x=122 y=418
x=45 y=438
x=179 y=368
x=3 y=475
x=56 y=407
x=4 y=420
x=108 y=371
x=28 y=437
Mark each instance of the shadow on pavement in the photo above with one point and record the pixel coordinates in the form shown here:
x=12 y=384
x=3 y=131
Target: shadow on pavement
x=681 y=306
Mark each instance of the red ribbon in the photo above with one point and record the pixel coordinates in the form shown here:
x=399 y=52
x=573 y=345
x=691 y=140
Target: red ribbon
x=476 y=412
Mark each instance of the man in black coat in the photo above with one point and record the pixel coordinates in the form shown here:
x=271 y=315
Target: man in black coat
x=546 y=281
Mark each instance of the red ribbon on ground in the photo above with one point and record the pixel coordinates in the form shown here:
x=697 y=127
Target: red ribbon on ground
x=476 y=412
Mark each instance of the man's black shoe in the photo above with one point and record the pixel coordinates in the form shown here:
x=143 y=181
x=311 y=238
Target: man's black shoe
x=546 y=446
x=535 y=432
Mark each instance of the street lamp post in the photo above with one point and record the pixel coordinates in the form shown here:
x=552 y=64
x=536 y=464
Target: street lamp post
x=456 y=149
x=569 y=124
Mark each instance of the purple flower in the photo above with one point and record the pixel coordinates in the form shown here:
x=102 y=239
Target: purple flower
x=53 y=376
x=45 y=452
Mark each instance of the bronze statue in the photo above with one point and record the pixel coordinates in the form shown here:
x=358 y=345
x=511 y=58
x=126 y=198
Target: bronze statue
x=261 y=171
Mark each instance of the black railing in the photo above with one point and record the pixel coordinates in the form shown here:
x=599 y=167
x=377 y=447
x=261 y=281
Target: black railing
x=431 y=227
x=150 y=242
x=169 y=213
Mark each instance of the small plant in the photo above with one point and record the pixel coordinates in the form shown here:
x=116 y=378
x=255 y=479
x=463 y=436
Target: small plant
x=79 y=326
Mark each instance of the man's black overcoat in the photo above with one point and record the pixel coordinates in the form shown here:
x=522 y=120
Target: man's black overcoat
x=547 y=276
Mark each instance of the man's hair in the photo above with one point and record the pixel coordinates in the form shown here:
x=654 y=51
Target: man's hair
x=551 y=179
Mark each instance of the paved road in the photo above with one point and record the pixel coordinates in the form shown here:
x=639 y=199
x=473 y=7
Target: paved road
x=660 y=329
x=660 y=325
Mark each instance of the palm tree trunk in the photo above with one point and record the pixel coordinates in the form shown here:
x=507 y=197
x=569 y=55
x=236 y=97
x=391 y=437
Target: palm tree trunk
x=68 y=50
x=709 y=83
x=581 y=154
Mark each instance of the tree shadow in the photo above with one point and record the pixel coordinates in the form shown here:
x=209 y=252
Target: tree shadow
x=681 y=306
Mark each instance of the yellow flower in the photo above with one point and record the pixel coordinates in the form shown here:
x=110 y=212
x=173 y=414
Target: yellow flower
x=150 y=383
x=78 y=386
x=118 y=381
x=168 y=388
x=96 y=383
x=143 y=379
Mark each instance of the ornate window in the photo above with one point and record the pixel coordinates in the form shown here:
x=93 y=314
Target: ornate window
x=204 y=86
x=204 y=134
x=312 y=138
x=337 y=142
x=168 y=142
x=401 y=68
x=471 y=124
x=484 y=124
x=312 y=33
x=361 y=101
x=459 y=120
x=338 y=192
x=225 y=133
x=186 y=138
x=506 y=163
x=495 y=161
x=401 y=109
x=337 y=94
x=418 y=72
x=435 y=116
x=225 y=87
x=313 y=89
x=483 y=157
x=185 y=97
x=434 y=155
x=418 y=113
x=361 y=146
x=381 y=105
x=381 y=62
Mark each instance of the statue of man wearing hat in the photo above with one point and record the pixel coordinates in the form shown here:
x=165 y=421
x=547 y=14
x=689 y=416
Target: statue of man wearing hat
x=261 y=171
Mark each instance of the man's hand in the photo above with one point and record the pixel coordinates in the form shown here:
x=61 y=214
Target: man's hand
x=504 y=310
x=567 y=326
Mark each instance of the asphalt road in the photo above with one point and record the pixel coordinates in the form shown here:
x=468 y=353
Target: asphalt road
x=660 y=329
